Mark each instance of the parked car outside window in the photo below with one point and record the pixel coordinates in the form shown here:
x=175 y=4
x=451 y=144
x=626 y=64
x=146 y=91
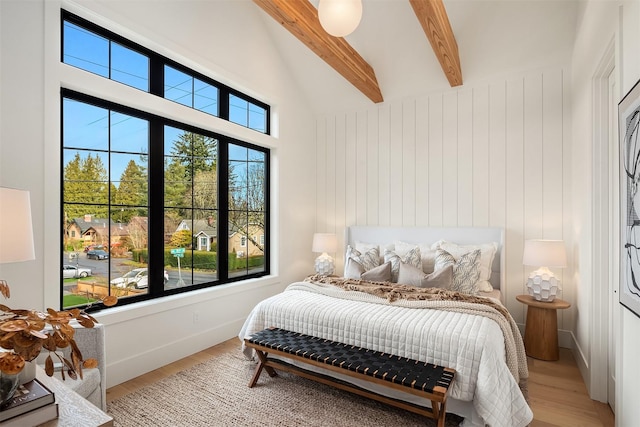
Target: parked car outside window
x=74 y=272
x=137 y=278
x=98 y=254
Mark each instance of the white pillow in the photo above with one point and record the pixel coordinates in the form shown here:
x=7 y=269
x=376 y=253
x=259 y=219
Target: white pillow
x=401 y=248
x=412 y=258
x=465 y=270
x=487 y=254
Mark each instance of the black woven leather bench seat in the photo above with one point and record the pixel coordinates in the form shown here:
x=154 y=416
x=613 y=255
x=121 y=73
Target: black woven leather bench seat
x=420 y=378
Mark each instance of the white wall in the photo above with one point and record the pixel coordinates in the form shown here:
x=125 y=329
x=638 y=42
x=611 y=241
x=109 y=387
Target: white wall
x=596 y=31
x=231 y=47
x=601 y=23
x=491 y=154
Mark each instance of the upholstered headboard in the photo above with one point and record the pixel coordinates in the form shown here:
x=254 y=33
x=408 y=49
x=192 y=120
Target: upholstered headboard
x=429 y=235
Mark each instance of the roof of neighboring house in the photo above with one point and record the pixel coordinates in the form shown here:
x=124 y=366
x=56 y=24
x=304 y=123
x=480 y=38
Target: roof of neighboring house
x=141 y=222
x=98 y=224
x=200 y=226
x=235 y=228
x=119 y=230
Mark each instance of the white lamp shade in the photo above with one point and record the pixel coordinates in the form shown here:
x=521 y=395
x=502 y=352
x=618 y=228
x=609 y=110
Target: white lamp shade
x=544 y=253
x=16 y=232
x=340 y=17
x=324 y=242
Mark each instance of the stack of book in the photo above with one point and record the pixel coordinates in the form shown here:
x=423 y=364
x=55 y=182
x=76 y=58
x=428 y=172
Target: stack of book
x=31 y=405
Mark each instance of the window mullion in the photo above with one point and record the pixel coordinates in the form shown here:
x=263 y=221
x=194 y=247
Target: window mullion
x=156 y=207
x=156 y=75
x=223 y=212
x=224 y=103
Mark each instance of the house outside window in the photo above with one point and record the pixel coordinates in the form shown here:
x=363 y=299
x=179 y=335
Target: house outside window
x=207 y=188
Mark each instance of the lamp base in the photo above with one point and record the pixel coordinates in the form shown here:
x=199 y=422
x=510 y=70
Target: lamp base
x=543 y=285
x=324 y=265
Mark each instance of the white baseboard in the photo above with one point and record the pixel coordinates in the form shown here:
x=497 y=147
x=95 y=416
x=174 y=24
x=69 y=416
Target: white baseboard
x=566 y=339
x=139 y=364
x=582 y=362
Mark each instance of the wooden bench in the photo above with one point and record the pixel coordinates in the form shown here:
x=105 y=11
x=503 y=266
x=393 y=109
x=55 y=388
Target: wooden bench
x=418 y=378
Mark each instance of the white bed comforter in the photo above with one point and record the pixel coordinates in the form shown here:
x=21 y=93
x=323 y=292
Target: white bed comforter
x=472 y=345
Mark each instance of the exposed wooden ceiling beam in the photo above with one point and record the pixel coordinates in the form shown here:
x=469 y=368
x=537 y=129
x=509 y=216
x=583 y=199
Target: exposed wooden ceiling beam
x=300 y=18
x=435 y=23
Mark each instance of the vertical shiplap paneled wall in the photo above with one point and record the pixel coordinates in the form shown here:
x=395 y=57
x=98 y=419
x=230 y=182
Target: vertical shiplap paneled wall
x=487 y=155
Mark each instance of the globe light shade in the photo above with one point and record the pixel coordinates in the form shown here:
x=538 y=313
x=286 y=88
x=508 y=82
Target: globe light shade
x=340 y=17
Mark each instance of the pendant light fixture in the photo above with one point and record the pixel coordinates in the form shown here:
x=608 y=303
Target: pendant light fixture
x=340 y=17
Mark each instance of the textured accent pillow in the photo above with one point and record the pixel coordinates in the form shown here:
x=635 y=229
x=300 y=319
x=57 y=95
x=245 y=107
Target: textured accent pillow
x=427 y=255
x=412 y=276
x=355 y=270
x=358 y=263
x=366 y=247
x=487 y=254
x=465 y=270
x=412 y=258
x=381 y=273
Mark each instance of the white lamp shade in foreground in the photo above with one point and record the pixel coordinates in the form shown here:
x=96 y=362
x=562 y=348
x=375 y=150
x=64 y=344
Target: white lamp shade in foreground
x=16 y=232
x=340 y=17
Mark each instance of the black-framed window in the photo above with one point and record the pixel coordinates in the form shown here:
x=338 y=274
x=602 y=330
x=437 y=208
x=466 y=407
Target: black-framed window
x=95 y=49
x=152 y=206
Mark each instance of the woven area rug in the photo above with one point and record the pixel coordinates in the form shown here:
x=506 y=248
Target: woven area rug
x=215 y=393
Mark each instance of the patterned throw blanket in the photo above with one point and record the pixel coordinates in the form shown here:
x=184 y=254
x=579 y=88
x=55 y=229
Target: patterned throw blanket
x=433 y=298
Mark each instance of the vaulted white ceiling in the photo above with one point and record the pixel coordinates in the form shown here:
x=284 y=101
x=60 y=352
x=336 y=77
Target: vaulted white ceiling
x=495 y=39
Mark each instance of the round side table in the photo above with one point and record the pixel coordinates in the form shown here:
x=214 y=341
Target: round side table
x=541 y=329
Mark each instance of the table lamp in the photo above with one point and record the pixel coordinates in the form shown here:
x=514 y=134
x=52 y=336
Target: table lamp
x=16 y=232
x=542 y=284
x=324 y=242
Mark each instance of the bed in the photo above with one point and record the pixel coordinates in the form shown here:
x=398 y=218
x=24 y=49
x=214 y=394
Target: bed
x=484 y=348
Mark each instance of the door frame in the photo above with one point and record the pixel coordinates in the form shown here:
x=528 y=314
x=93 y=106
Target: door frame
x=605 y=258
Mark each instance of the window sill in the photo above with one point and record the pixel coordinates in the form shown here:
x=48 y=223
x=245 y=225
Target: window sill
x=115 y=315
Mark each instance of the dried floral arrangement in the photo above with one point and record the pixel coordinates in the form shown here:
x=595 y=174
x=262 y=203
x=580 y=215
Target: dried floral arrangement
x=25 y=333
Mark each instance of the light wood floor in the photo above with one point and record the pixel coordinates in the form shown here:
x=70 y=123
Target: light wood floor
x=557 y=394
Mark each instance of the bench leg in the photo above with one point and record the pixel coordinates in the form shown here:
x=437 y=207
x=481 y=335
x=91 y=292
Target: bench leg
x=438 y=412
x=262 y=364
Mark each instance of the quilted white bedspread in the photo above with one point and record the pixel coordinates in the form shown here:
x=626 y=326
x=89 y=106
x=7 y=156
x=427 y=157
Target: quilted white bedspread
x=473 y=345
